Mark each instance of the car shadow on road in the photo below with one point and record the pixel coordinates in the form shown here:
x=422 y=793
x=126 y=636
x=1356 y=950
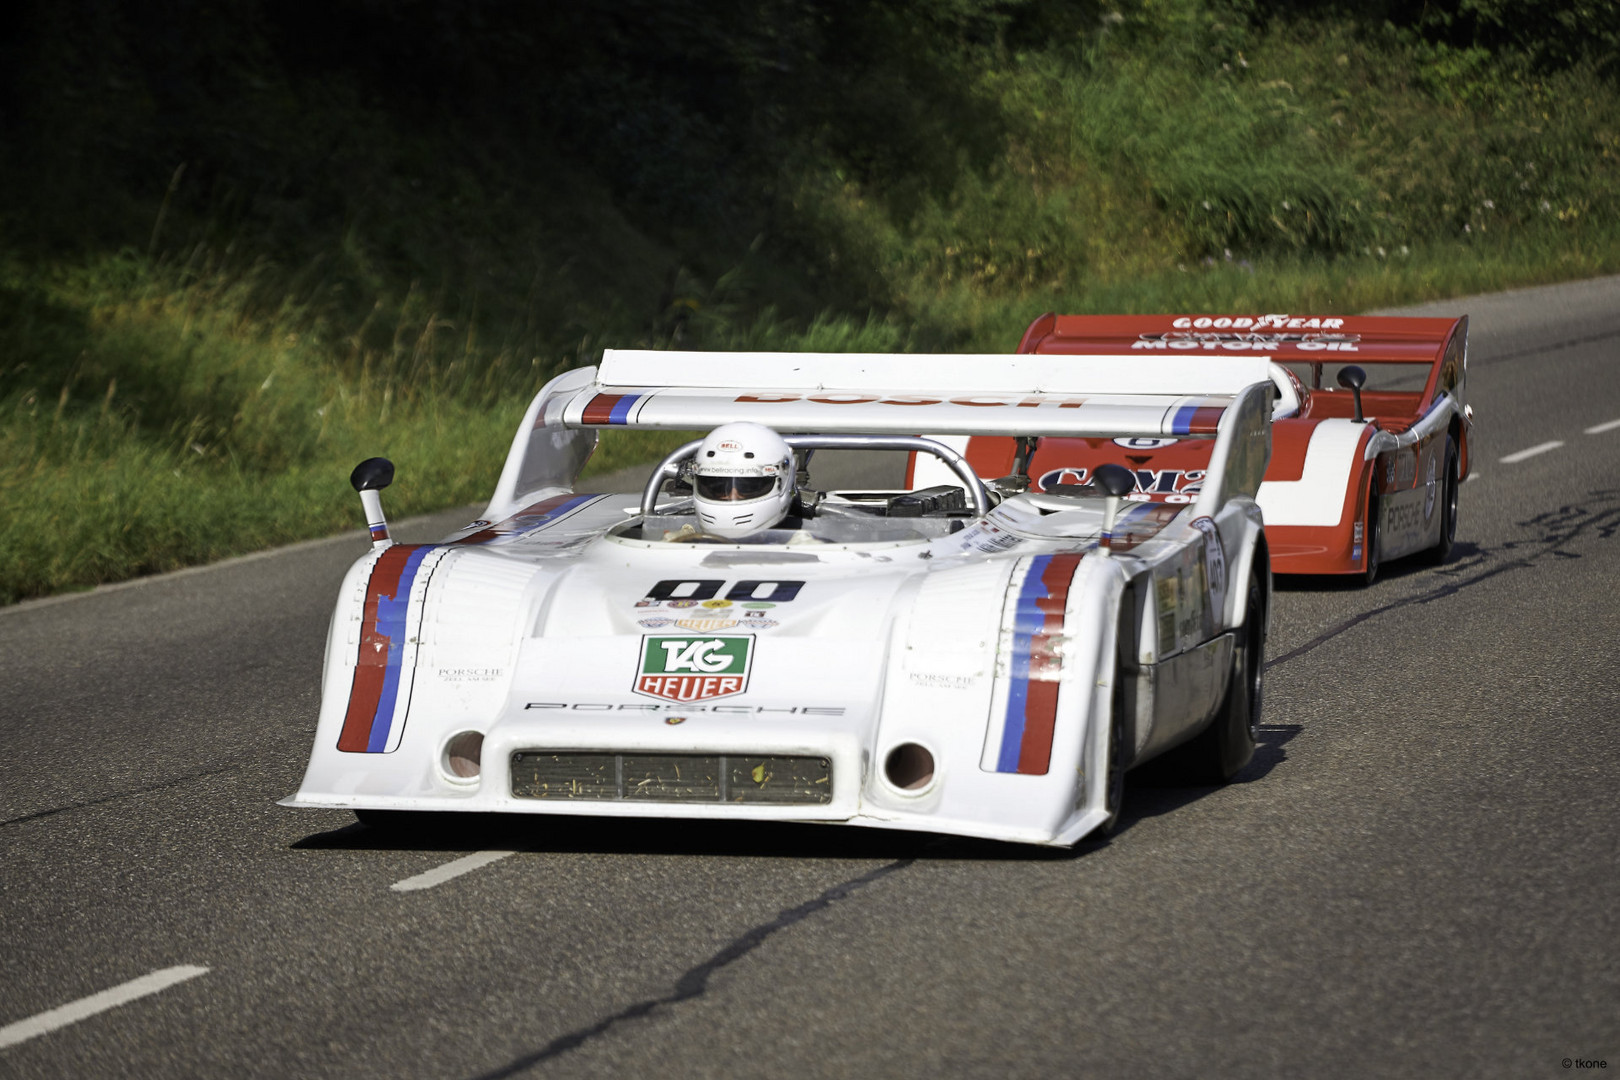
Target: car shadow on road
x=556 y=834
x=1461 y=552
x=1147 y=797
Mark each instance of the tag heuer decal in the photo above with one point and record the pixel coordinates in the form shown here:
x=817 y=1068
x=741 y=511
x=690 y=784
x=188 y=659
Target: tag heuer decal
x=694 y=668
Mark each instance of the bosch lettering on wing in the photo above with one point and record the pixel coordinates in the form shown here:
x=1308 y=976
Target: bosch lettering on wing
x=694 y=668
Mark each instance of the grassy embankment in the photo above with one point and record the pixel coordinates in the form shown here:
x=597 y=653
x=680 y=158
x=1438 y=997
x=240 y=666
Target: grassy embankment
x=165 y=405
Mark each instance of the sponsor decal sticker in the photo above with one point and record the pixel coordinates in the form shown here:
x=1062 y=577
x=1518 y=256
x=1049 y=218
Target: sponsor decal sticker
x=674 y=719
x=657 y=624
x=758 y=604
x=1429 y=493
x=705 y=625
x=1214 y=555
x=1257 y=322
x=727 y=710
x=1166 y=589
x=646 y=603
x=983 y=536
x=694 y=668
x=683 y=603
x=934 y=681
x=716 y=603
x=471 y=674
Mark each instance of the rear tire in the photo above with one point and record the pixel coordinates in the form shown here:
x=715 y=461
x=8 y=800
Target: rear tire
x=1114 y=777
x=1222 y=749
x=1441 y=551
x=1369 y=573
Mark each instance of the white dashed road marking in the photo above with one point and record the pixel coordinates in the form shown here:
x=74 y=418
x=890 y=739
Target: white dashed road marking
x=75 y=1011
x=441 y=874
x=1532 y=451
x=1598 y=429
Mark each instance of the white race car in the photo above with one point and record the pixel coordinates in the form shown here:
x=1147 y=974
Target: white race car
x=958 y=657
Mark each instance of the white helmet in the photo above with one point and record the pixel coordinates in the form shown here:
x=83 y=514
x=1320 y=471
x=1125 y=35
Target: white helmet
x=742 y=479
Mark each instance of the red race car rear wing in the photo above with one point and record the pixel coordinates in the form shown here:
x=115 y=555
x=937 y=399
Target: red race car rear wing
x=1309 y=339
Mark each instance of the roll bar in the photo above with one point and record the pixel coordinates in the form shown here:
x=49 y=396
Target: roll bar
x=670 y=466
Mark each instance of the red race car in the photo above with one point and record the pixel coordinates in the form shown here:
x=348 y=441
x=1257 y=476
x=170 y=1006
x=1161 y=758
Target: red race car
x=1370 y=428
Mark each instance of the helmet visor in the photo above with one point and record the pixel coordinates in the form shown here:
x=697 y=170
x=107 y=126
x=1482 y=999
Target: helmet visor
x=734 y=488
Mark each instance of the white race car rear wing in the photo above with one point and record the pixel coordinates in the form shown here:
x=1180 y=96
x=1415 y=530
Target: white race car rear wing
x=951 y=394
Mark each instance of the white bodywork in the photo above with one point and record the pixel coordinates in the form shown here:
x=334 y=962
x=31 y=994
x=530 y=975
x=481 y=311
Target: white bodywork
x=569 y=623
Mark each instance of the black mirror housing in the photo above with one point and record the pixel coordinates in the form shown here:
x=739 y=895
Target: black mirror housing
x=1352 y=378
x=372 y=474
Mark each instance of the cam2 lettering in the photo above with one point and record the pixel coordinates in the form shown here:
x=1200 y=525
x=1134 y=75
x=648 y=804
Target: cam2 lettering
x=1152 y=481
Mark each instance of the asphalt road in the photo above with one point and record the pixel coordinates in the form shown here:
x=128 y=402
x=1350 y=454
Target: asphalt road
x=1419 y=875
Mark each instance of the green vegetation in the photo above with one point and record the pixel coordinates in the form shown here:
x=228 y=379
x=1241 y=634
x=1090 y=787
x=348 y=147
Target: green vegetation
x=242 y=249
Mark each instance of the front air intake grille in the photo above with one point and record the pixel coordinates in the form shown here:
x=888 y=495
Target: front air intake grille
x=671 y=778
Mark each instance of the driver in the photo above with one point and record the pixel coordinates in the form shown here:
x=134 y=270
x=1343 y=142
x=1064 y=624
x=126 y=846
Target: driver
x=743 y=479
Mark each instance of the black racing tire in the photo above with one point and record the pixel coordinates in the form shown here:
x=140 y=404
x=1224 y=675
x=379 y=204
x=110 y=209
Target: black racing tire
x=1223 y=748
x=1369 y=573
x=1114 y=774
x=1441 y=551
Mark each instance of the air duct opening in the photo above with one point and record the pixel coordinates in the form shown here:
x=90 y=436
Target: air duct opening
x=463 y=754
x=909 y=767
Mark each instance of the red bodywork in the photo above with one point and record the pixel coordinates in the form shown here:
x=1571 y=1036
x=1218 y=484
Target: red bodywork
x=1173 y=473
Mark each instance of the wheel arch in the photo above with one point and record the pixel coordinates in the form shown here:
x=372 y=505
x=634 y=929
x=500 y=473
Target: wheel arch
x=1256 y=559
